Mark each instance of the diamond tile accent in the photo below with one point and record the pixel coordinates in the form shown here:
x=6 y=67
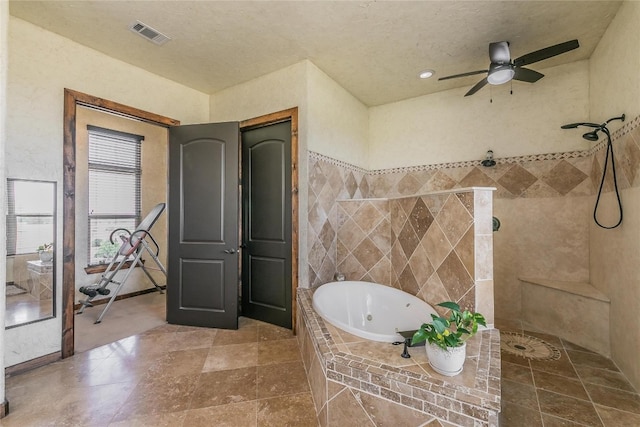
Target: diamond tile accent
x=408 y=281
x=440 y=181
x=477 y=178
x=420 y=266
x=408 y=240
x=408 y=185
x=317 y=179
x=398 y=217
x=351 y=185
x=350 y=234
x=517 y=179
x=436 y=245
x=467 y=200
x=564 y=177
x=454 y=276
x=351 y=268
x=420 y=218
x=454 y=219
x=382 y=236
x=367 y=217
x=327 y=235
x=367 y=253
x=629 y=161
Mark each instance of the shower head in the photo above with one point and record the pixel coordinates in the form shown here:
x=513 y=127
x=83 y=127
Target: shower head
x=591 y=136
x=575 y=125
x=570 y=126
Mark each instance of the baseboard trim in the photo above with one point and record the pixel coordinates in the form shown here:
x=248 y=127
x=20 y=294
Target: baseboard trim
x=31 y=364
x=120 y=297
x=4 y=408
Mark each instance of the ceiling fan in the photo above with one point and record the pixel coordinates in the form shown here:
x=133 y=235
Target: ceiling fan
x=502 y=69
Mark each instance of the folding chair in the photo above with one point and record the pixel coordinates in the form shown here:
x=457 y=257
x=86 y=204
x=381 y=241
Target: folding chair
x=134 y=244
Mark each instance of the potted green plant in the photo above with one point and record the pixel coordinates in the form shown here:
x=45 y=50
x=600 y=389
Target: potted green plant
x=45 y=252
x=447 y=336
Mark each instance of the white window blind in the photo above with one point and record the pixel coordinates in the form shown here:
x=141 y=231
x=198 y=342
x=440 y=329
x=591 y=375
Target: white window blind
x=114 y=188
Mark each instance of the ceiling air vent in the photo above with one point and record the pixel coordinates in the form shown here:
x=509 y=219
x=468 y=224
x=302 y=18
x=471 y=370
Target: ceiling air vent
x=149 y=33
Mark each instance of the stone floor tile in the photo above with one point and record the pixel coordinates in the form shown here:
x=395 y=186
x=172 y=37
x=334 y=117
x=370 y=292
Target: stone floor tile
x=513 y=415
x=294 y=411
x=569 y=408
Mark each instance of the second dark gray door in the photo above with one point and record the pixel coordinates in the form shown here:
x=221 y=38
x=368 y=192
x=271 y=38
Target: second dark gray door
x=202 y=285
x=266 y=231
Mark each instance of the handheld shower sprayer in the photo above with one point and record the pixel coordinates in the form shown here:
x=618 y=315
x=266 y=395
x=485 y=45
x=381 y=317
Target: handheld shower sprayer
x=593 y=136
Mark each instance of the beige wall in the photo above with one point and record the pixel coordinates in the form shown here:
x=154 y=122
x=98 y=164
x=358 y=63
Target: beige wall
x=41 y=65
x=615 y=254
x=330 y=120
x=338 y=122
x=614 y=84
x=449 y=127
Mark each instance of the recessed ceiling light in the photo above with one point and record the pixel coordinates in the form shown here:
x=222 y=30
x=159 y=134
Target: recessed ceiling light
x=426 y=74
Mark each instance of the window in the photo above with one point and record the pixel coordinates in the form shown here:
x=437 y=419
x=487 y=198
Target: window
x=114 y=189
x=30 y=212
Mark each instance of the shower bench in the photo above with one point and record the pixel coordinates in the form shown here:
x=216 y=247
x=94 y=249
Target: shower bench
x=568 y=310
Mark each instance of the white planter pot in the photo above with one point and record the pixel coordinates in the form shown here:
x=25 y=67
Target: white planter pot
x=447 y=362
x=45 y=256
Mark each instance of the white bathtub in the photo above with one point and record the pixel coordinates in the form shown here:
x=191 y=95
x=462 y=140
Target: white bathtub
x=371 y=311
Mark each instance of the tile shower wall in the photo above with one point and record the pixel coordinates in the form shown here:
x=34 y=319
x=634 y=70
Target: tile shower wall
x=329 y=180
x=539 y=199
x=364 y=240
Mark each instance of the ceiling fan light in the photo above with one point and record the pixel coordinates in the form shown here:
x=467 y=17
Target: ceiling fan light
x=426 y=74
x=501 y=75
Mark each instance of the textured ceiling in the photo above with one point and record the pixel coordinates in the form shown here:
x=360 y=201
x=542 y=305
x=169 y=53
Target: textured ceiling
x=374 y=49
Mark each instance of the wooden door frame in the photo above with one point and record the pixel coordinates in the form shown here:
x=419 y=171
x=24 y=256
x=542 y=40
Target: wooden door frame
x=290 y=114
x=71 y=101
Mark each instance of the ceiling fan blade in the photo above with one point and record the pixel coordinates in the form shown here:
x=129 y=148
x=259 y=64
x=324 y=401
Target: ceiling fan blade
x=477 y=87
x=470 y=73
x=546 y=53
x=499 y=53
x=527 y=75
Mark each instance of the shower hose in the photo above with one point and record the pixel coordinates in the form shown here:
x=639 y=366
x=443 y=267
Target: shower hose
x=615 y=183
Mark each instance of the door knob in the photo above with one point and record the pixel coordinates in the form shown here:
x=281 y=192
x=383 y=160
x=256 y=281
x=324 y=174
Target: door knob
x=229 y=251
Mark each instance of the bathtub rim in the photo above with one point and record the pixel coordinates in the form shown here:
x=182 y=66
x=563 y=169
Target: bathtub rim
x=390 y=338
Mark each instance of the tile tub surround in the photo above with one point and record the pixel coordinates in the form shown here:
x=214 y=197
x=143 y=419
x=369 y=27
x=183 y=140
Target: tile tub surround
x=348 y=383
x=438 y=247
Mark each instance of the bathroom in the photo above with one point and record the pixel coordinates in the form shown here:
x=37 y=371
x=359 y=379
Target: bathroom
x=546 y=223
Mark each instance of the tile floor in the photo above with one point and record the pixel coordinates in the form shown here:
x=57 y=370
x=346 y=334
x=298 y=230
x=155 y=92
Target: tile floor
x=24 y=307
x=581 y=388
x=171 y=376
x=124 y=318
x=183 y=376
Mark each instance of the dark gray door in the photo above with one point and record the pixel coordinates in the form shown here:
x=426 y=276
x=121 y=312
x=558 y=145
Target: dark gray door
x=266 y=231
x=202 y=286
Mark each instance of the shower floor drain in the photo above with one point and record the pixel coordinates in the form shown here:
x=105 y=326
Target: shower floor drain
x=528 y=346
